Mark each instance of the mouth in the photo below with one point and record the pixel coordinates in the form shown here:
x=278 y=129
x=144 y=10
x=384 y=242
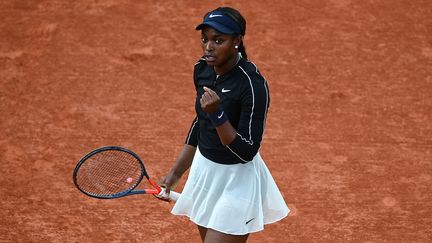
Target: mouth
x=210 y=58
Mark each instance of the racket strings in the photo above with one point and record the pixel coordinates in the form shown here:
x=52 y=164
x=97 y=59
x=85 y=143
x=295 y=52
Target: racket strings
x=109 y=172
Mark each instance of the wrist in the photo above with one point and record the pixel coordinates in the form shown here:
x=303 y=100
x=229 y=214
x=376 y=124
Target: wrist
x=218 y=117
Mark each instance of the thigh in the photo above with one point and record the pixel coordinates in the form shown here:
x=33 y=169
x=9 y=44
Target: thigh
x=213 y=236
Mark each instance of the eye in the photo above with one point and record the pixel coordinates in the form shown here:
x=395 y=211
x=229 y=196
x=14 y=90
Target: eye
x=203 y=40
x=219 y=41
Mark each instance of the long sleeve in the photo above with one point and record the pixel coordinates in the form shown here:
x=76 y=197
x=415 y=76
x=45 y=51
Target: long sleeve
x=254 y=106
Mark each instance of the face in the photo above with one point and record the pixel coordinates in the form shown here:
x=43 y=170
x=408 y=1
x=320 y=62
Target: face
x=219 y=49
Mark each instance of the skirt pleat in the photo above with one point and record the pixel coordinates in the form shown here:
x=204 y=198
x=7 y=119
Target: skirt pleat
x=233 y=199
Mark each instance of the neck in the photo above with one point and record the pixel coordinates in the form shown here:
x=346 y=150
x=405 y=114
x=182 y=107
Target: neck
x=228 y=65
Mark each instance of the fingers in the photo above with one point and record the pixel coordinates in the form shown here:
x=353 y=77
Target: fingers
x=164 y=183
x=166 y=186
x=208 y=90
x=205 y=98
x=169 y=182
x=208 y=95
x=209 y=100
x=167 y=189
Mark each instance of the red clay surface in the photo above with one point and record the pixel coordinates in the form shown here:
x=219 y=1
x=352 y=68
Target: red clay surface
x=349 y=133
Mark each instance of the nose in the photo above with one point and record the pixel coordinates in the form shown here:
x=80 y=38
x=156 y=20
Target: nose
x=209 y=46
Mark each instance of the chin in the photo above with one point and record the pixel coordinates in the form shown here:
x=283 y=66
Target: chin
x=211 y=63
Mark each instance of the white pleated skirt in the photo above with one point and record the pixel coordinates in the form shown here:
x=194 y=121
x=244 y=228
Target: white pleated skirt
x=233 y=199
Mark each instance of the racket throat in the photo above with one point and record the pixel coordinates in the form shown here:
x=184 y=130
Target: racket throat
x=157 y=189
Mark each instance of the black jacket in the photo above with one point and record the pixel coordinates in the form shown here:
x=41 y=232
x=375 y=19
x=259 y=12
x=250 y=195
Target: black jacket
x=245 y=99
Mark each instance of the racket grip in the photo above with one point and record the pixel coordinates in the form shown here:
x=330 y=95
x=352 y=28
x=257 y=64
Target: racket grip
x=173 y=196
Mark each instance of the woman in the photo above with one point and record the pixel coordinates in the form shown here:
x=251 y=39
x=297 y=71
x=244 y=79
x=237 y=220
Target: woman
x=229 y=192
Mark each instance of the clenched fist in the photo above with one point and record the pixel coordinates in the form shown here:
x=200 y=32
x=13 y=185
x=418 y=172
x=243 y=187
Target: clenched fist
x=210 y=101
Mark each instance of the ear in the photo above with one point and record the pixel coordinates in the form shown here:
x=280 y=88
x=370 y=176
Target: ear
x=237 y=40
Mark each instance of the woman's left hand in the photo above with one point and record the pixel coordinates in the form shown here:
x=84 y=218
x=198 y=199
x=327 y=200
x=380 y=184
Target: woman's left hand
x=210 y=101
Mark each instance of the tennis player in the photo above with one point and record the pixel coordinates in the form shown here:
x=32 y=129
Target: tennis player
x=230 y=192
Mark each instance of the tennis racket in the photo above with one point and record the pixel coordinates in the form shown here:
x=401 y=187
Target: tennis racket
x=113 y=172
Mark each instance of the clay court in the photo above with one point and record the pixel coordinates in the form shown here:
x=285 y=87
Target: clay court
x=348 y=137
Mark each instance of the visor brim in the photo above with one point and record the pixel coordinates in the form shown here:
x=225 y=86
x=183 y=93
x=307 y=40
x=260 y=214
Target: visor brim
x=217 y=26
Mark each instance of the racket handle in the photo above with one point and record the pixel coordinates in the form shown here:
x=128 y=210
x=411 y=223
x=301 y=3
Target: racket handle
x=173 y=196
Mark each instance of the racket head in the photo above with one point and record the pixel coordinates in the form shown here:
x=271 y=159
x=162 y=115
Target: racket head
x=109 y=172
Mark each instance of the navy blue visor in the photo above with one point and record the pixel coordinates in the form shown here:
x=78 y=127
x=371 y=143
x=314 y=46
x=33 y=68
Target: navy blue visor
x=220 y=22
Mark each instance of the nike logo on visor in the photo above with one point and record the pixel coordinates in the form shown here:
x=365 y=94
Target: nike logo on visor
x=225 y=90
x=214 y=15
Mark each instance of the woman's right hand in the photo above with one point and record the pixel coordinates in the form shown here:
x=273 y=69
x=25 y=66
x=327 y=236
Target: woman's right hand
x=168 y=182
